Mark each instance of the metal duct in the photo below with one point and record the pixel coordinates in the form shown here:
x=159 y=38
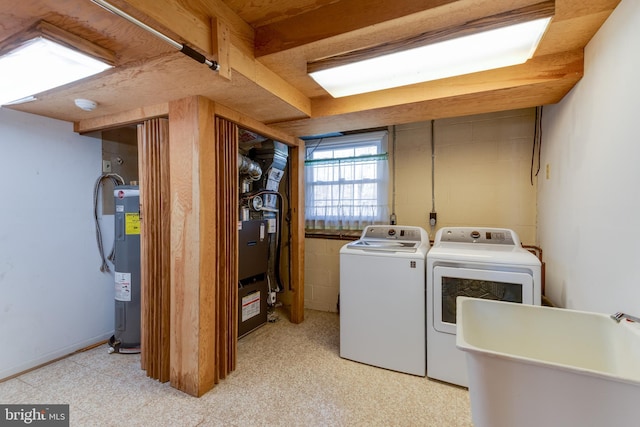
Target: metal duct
x=248 y=167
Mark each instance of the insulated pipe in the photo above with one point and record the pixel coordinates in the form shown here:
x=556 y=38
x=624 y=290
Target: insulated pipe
x=181 y=47
x=246 y=166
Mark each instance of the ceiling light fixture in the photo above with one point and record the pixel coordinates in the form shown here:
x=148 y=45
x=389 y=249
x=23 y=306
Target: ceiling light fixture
x=493 y=43
x=42 y=58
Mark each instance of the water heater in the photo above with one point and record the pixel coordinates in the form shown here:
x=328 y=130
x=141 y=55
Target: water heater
x=126 y=338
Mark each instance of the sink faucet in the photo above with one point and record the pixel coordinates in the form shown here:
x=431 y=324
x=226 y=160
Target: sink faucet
x=619 y=316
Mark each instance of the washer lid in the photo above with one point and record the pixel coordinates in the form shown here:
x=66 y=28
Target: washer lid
x=384 y=245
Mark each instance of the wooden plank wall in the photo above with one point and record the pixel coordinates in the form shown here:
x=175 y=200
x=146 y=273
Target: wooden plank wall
x=227 y=286
x=153 y=162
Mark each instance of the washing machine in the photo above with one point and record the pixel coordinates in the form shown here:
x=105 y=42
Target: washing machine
x=382 y=298
x=488 y=263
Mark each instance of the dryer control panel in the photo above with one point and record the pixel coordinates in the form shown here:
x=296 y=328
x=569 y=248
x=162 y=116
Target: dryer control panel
x=496 y=236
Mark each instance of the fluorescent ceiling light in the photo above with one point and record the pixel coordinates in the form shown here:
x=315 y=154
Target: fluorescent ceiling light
x=41 y=64
x=496 y=48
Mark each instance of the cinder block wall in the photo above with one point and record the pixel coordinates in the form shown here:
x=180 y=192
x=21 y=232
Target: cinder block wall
x=482 y=178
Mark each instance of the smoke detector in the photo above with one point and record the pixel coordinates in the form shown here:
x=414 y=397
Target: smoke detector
x=86 y=104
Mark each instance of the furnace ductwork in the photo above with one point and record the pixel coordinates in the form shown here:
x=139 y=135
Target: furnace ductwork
x=248 y=167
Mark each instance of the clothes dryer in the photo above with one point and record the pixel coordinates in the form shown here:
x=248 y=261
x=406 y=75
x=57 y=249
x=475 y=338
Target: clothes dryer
x=488 y=263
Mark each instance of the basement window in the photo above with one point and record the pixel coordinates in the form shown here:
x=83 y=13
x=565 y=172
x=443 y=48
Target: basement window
x=346 y=182
x=40 y=63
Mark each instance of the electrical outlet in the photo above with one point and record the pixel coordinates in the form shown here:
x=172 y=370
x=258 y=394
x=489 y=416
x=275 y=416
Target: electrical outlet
x=106 y=166
x=433 y=217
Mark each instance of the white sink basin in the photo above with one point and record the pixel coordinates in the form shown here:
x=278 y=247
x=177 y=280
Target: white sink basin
x=532 y=365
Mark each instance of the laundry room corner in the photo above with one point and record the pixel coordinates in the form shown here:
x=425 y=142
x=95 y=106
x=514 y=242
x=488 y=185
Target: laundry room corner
x=482 y=176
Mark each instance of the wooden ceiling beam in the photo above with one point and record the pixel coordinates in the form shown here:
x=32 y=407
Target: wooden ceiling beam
x=539 y=69
x=477 y=103
x=332 y=20
x=446 y=97
x=544 y=9
x=124 y=118
x=192 y=24
x=387 y=21
x=196 y=28
x=275 y=88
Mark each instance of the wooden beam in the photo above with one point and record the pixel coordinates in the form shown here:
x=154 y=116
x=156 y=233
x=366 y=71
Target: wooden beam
x=548 y=68
x=193 y=249
x=255 y=126
x=220 y=39
x=268 y=80
x=331 y=20
x=203 y=186
x=544 y=9
x=173 y=19
x=121 y=119
x=549 y=78
x=348 y=17
x=533 y=94
x=193 y=26
x=296 y=163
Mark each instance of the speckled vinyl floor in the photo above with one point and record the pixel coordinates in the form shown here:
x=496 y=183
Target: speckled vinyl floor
x=287 y=375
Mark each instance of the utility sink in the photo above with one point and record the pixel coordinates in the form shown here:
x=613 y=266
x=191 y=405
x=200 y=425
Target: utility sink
x=532 y=365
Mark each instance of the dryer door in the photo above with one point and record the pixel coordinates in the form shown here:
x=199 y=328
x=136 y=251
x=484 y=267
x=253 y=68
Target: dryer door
x=452 y=282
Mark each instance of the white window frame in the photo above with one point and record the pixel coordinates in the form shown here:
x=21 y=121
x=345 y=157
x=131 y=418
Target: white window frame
x=317 y=222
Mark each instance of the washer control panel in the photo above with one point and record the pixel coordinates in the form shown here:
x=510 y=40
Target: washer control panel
x=499 y=236
x=394 y=232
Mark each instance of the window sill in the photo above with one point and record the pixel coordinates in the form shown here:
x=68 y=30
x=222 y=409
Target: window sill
x=336 y=235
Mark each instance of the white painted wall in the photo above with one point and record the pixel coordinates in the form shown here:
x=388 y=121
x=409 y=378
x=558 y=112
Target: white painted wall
x=589 y=208
x=53 y=298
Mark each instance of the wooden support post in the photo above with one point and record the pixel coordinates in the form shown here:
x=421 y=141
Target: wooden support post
x=204 y=195
x=193 y=250
x=297 y=232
